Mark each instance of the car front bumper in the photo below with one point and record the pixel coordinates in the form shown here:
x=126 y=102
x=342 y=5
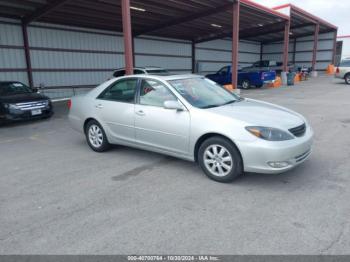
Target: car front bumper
x=18 y=115
x=263 y=156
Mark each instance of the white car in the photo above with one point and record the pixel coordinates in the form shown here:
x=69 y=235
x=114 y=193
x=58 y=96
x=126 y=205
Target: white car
x=343 y=71
x=193 y=118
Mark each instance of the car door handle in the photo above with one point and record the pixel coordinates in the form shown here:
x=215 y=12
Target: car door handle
x=140 y=112
x=99 y=106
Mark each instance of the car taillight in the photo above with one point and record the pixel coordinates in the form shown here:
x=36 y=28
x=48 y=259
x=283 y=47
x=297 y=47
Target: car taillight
x=69 y=104
x=337 y=71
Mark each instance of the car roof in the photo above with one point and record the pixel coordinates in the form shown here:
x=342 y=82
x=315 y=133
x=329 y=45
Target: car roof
x=168 y=77
x=144 y=68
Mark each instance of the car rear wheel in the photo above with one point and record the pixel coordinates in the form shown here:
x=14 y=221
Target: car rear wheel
x=259 y=86
x=96 y=137
x=245 y=84
x=220 y=160
x=347 y=78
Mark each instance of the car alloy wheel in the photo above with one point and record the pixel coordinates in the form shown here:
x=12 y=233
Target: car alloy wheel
x=218 y=160
x=95 y=136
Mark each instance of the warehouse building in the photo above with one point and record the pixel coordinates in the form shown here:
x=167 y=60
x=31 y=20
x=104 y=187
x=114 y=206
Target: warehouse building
x=63 y=43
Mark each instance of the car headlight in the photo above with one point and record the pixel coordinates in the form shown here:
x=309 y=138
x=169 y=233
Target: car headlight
x=269 y=133
x=11 y=106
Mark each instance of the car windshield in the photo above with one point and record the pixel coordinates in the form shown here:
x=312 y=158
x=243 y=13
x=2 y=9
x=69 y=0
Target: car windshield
x=203 y=93
x=13 y=88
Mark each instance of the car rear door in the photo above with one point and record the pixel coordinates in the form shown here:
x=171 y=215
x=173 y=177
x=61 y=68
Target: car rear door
x=115 y=108
x=157 y=127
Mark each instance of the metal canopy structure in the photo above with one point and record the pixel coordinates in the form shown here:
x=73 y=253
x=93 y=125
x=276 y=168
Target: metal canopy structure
x=305 y=24
x=182 y=19
x=193 y=20
x=302 y=24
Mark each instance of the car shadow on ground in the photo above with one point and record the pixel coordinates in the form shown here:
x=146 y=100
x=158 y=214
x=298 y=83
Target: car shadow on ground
x=294 y=176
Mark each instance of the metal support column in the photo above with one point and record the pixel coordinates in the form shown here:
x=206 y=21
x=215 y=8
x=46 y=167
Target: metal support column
x=127 y=34
x=27 y=54
x=286 y=46
x=314 y=50
x=294 y=50
x=193 y=57
x=335 y=47
x=285 y=52
x=235 y=43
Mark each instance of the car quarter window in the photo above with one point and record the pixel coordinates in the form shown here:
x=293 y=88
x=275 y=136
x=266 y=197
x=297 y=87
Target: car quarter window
x=121 y=91
x=154 y=93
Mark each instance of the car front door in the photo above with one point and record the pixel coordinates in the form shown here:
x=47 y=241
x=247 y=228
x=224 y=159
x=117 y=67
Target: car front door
x=115 y=107
x=157 y=127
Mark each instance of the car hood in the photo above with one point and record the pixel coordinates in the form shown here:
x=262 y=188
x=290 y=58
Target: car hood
x=22 y=98
x=259 y=113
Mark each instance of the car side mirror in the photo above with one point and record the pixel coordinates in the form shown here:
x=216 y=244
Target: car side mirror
x=35 y=90
x=173 y=105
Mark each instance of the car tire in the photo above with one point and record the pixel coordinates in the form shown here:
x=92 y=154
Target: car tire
x=96 y=137
x=347 y=78
x=259 y=86
x=245 y=84
x=223 y=164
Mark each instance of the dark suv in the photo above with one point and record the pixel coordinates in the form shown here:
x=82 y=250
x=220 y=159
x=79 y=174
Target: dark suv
x=19 y=102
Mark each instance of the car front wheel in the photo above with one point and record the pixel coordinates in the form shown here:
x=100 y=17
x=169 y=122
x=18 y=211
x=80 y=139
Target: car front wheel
x=245 y=84
x=220 y=160
x=96 y=137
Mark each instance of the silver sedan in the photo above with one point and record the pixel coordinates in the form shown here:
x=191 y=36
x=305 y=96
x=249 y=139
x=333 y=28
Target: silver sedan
x=193 y=118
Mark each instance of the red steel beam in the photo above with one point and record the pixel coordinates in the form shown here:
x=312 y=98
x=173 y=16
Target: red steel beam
x=27 y=55
x=235 y=42
x=314 y=50
x=335 y=46
x=286 y=46
x=128 y=46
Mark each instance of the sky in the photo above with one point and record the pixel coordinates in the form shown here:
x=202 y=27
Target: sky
x=336 y=12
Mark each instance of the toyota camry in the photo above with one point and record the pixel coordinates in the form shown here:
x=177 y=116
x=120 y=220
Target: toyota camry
x=193 y=118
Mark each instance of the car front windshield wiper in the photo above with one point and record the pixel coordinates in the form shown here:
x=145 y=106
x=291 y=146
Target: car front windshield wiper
x=212 y=106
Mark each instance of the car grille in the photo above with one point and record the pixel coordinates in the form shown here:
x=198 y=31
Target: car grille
x=32 y=105
x=299 y=130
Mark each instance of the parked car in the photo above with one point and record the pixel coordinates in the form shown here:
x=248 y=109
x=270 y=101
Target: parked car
x=150 y=70
x=193 y=118
x=245 y=79
x=343 y=71
x=266 y=65
x=19 y=102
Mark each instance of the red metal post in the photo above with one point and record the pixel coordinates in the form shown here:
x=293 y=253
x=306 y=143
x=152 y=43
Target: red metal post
x=335 y=46
x=286 y=46
x=193 y=56
x=27 y=55
x=128 y=52
x=235 y=42
x=314 y=51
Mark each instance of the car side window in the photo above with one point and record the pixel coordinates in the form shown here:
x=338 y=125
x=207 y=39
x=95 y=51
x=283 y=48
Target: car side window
x=121 y=91
x=223 y=71
x=154 y=93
